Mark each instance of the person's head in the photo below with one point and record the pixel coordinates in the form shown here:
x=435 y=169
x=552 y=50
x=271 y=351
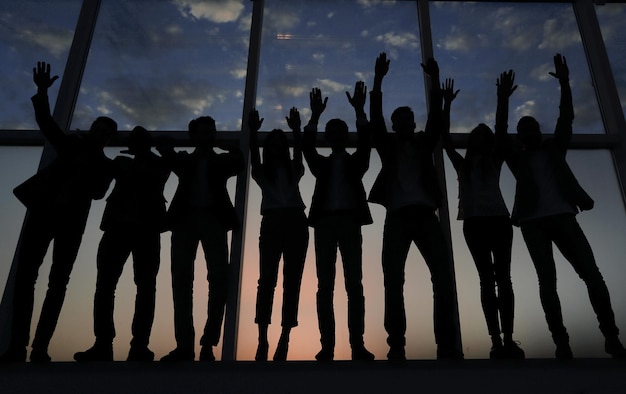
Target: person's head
x=202 y=131
x=139 y=141
x=103 y=129
x=403 y=121
x=336 y=134
x=276 y=146
x=481 y=139
x=529 y=132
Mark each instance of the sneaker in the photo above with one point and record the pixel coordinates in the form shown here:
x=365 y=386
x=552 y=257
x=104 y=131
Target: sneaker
x=614 y=347
x=40 y=356
x=95 y=353
x=14 y=355
x=396 y=354
x=360 y=353
x=140 y=353
x=563 y=352
x=512 y=351
x=325 y=354
x=206 y=353
x=178 y=355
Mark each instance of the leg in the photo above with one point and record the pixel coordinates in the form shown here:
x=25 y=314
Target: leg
x=146 y=262
x=184 y=248
x=325 y=259
x=502 y=241
x=539 y=246
x=396 y=243
x=215 y=245
x=432 y=245
x=476 y=236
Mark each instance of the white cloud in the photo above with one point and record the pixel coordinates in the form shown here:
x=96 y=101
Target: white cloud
x=559 y=34
x=239 y=73
x=525 y=109
x=333 y=86
x=218 y=11
x=402 y=40
x=319 y=57
x=280 y=20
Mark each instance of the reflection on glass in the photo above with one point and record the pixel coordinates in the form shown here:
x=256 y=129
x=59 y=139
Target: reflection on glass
x=162 y=63
x=31 y=31
x=331 y=45
x=611 y=18
x=475 y=41
x=530 y=327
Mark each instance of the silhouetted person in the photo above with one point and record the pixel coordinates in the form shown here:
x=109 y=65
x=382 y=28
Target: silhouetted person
x=200 y=212
x=486 y=221
x=407 y=187
x=547 y=199
x=284 y=228
x=132 y=222
x=58 y=199
x=338 y=210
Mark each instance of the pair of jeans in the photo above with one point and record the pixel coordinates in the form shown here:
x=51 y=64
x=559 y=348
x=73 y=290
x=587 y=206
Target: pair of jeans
x=65 y=227
x=419 y=225
x=286 y=233
x=115 y=247
x=489 y=240
x=565 y=232
x=339 y=231
x=200 y=226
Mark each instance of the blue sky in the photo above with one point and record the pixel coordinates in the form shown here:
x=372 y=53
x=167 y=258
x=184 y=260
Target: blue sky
x=162 y=63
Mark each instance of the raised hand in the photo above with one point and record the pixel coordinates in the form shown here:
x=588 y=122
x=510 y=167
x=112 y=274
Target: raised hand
x=561 y=71
x=357 y=100
x=293 y=120
x=41 y=75
x=382 y=65
x=431 y=69
x=506 y=84
x=317 y=104
x=254 y=122
x=447 y=90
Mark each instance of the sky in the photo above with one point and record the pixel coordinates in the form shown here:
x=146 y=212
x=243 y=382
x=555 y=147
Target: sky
x=162 y=65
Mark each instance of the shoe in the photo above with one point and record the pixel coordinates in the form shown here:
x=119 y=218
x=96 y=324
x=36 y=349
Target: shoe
x=452 y=355
x=360 y=353
x=206 y=353
x=281 y=351
x=261 y=351
x=40 y=356
x=614 y=347
x=95 y=353
x=14 y=355
x=496 y=352
x=140 y=353
x=178 y=355
x=512 y=351
x=326 y=354
x=563 y=352
x=396 y=354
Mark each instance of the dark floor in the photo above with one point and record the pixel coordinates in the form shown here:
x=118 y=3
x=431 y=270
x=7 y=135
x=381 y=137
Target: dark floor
x=597 y=376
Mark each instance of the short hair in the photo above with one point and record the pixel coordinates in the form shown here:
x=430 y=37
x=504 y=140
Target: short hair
x=194 y=124
x=399 y=112
x=107 y=122
x=334 y=126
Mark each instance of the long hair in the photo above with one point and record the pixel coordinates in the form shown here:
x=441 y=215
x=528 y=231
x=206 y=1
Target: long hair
x=480 y=145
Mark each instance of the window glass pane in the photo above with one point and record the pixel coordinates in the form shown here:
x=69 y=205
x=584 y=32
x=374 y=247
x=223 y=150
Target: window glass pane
x=331 y=45
x=604 y=227
x=16 y=165
x=611 y=18
x=162 y=63
x=31 y=31
x=476 y=41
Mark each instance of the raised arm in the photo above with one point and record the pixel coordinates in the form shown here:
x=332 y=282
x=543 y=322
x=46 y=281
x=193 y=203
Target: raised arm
x=310 y=131
x=294 y=123
x=254 y=124
x=434 y=122
x=563 y=130
x=379 y=129
x=363 y=149
x=505 y=88
x=51 y=131
x=448 y=93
